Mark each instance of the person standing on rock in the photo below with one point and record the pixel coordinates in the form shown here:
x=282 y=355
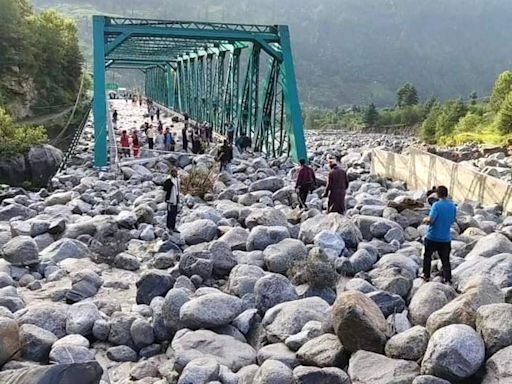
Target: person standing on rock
x=184 y=138
x=125 y=144
x=337 y=184
x=225 y=156
x=230 y=131
x=168 y=140
x=135 y=143
x=172 y=198
x=151 y=133
x=306 y=182
x=440 y=219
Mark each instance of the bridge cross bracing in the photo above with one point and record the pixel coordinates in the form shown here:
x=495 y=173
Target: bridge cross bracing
x=216 y=72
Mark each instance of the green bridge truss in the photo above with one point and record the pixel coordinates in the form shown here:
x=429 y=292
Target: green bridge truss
x=214 y=72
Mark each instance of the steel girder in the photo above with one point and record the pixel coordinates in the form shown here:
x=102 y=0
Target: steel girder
x=196 y=67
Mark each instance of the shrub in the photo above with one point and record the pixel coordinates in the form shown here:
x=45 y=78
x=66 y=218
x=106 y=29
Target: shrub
x=199 y=181
x=16 y=138
x=315 y=270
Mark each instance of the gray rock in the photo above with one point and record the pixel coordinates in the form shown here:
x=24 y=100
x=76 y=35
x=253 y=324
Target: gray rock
x=10 y=299
x=408 y=345
x=49 y=316
x=358 y=284
x=64 y=249
x=462 y=310
x=226 y=350
x=268 y=184
x=81 y=318
x=261 y=237
x=21 y=251
x=152 y=284
x=210 y=311
x=497 y=268
x=121 y=353
x=15 y=210
x=202 y=370
x=454 y=353
x=333 y=222
x=236 y=238
x=286 y=319
x=268 y=217
x=278 y=352
x=494 y=324
x=429 y=298
x=359 y=323
x=243 y=278
x=387 y=302
x=314 y=375
x=280 y=256
x=101 y=329
x=273 y=372
x=429 y=379
x=196 y=263
x=491 y=245
x=498 y=367
x=369 y=367
x=74 y=340
x=198 y=231
x=171 y=307
x=120 y=329
x=329 y=240
x=323 y=351
x=126 y=261
x=142 y=333
x=273 y=289
x=221 y=257
x=77 y=373
x=251 y=258
x=67 y=354
x=10 y=341
x=84 y=284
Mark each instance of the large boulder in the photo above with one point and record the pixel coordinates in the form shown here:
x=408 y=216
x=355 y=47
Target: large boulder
x=314 y=375
x=491 y=245
x=198 y=231
x=370 y=226
x=280 y=256
x=236 y=238
x=10 y=342
x=81 y=318
x=65 y=249
x=286 y=319
x=261 y=237
x=454 y=353
x=323 y=351
x=202 y=370
x=327 y=239
x=242 y=279
x=371 y=368
x=76 y=373
x=498 y=368
x=462 y=310
x=210 y=310
x=49 y=316
x=226 y=350
x=15 y=210
x=152 y=284
x=429 y=298
x=43 y=161
x=273 y=289
x=21 y=251
x=334 y=222
x=494 y=324
x=271 y=184
x=273 y=372
x=408 y=345
x=359 y=322
x=498 y=268
x=269 y=217
x=36 y=342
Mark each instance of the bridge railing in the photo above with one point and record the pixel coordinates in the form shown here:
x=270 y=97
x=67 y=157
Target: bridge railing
x=422 y=170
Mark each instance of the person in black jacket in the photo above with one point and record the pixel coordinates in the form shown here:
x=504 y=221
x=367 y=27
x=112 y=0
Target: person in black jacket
x=172 y=198
x=225 y=156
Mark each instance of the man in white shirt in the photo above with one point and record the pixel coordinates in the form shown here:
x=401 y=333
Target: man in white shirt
x=172 y=198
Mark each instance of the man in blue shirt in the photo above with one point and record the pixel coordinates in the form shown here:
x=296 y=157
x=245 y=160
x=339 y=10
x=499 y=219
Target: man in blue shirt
x=440 y=220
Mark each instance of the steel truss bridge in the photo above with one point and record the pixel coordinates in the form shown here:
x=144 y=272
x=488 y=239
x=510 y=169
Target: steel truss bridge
x=216 y=72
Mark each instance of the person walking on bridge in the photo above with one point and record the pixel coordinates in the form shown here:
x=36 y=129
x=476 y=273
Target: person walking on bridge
x=306 y=182
x=440 y=219
x=337 y=184
x=172 y=197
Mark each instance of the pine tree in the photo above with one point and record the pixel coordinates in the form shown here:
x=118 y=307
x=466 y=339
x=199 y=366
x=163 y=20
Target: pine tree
x=371 y=116
x=473 y=97
x=504 y=118
x=407 y=96
x=502 y=88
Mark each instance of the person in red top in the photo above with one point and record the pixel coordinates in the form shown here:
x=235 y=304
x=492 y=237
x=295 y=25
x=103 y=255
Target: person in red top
x=125 y=144
x=337 y=184
x=306 y=182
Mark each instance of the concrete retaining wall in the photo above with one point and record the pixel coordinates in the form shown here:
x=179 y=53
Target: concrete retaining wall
x=422 y=170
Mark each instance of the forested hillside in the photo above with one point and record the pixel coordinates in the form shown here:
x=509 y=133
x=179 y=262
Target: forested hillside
x=358 y=51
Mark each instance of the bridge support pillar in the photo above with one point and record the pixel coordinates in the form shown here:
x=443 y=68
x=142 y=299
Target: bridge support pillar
x=100 y=98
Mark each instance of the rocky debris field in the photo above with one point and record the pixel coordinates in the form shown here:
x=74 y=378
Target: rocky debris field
x=93 y=288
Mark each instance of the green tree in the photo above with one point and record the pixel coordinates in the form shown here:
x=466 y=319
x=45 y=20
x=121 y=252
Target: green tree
x=371 y=116
x=502 y=88
x=473 y=97
x=406 y=96
x=504 y=117
x=429 y=126
x=469 y=123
